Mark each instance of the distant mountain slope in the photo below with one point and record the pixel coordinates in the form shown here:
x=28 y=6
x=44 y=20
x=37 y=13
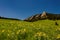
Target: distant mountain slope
x=8 y=18
x=43 y=16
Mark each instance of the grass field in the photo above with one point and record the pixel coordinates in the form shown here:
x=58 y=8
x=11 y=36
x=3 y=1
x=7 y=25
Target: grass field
x=21 y=30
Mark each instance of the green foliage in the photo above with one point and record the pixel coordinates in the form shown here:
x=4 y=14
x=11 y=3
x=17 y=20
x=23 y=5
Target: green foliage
x=21 y=30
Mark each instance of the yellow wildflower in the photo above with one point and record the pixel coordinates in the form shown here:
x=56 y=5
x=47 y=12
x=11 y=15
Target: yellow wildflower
x=58 y=36
x=18 y=31
x=24 y=30
x=35 y=35
x=9 y=31
x=41 y=34
x=3 y=30
x=8 y=35
x=44 y=34
x=58 y=28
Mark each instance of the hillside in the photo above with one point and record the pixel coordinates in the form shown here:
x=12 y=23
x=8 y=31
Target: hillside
x=8 y=18
x=21 y=30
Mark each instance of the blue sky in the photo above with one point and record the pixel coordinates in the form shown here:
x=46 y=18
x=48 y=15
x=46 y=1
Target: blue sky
x=22 y=9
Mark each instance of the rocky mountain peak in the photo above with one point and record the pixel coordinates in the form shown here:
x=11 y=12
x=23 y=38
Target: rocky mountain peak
x=44 y=14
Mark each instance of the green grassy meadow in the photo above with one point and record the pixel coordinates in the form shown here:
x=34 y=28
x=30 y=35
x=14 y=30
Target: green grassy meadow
x=22 y=30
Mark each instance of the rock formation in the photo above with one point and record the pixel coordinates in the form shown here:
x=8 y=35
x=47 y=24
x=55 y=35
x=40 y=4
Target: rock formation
x=43 y=16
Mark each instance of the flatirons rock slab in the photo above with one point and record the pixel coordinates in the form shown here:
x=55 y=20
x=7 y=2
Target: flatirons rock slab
x=43 y=16
x=33 y=18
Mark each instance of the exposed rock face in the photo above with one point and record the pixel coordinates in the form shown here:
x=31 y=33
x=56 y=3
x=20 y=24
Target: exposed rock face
x=43 y=16
x=33 y=18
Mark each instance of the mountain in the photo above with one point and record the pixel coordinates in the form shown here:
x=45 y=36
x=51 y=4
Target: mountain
x=43 y=16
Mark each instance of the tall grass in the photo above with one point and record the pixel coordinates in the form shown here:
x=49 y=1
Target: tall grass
x=21 y=30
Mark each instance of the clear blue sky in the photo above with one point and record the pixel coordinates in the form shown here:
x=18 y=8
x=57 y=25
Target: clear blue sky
x=22 y=9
